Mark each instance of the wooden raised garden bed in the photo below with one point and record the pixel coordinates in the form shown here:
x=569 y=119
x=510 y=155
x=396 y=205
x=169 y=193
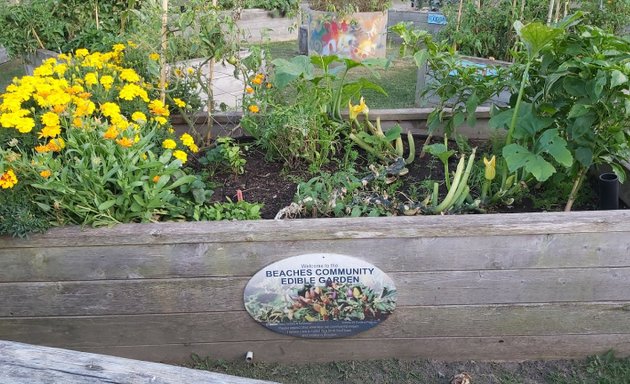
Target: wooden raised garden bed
x=482 y=287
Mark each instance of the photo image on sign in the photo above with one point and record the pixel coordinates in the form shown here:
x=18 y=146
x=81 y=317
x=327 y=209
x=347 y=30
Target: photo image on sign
x=320 y=296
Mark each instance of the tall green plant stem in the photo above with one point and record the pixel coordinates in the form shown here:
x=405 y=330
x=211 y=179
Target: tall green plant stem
x=519 y=99
x=577 y=183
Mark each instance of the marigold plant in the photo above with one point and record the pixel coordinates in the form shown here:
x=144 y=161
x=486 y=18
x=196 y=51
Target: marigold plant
x=86 y=137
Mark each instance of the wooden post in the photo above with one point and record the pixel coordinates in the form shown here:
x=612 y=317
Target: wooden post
x=550 y=12
x=164 y=47
x=210 y=102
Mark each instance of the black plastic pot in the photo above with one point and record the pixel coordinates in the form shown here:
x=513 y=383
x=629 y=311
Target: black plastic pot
x=608 y=187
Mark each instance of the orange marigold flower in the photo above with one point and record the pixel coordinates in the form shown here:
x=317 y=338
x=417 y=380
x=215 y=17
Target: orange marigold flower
x=249 y=89
x=8 y=179
x=111 y=133
x=45 y=173
x=254 y=108
x=125 y=142
x=156 y=178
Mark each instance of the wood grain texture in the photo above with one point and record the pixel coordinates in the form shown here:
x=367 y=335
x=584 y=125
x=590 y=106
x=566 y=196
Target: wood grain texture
x=502 y=348
x=223 y=259
x=28 y=364
x=405 y=322
x=332 y=229
x=116 y=297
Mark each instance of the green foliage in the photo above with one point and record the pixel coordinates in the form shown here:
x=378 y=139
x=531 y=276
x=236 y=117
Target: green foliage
x=239 y=210
x=60 y=25
x=18 y=215
x=282 y=7
x=349 y=7
x=487 y=31
x=461 y=87
x=97 y=182
x=328 y=74
x=226 y=153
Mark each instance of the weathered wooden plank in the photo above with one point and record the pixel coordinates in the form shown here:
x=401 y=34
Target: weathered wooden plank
x=330 y=229
x=503 y=348
x=572 y=250
x=224 y=294
x=30 y=364
x=405 y=322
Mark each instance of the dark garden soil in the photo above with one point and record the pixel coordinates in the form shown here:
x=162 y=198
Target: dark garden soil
x=274 y=185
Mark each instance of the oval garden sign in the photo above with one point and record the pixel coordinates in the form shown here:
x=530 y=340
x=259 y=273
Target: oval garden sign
x=320 y=295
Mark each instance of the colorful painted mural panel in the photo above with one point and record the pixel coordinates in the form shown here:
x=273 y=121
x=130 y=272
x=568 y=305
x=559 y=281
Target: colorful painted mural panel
x=358 y=36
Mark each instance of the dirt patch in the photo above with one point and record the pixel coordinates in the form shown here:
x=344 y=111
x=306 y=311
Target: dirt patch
x=274 y=185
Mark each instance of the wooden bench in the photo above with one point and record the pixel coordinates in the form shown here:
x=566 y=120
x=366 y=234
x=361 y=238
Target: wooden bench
x=29 y=364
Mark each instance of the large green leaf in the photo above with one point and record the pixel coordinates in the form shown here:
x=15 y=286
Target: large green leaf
x=517 y=157
x=440 y=151
x=421 y=58
x=585 y=156
x=288 y=70
x=617 y=78
x=529 y=123
x=501 y=119
x=551 y=143
x=536 y=36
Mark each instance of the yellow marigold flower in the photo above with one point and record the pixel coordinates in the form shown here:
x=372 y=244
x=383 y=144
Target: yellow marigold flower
x=160 y=120
x=107 y=81
x=45 y=173
x=129 y=75
x=257 y=80
x=180 y=155
x=136 y=138
x=8 y=179
x=50 y=131
x=154 y=56
x=139 y=117
x=84 y=108
x=269 y=85
x=64 y=57
x=50 y=118
x=156 y=178
x=81 y=52
x=193 y=148
x=91 y=78
x=77 y=122
x=169 y=144
x=179 y=102
x=490 y=170
x=125 y=142
x=249 y=89
x=118 y=47
x=75 y=89
x=354 y=110
x=60 y=69
x=25 y=124
x=178 y=72
x=187 y=140
x=132 y=44
x=43 y=71
x=131 y=91
x=254 y=108
x=158 y=108
x=110 y=109
x=57 y=144
x=190 y=70
x=111 y=133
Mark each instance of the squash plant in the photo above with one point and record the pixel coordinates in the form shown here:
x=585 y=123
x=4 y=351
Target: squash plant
x=573 y=104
